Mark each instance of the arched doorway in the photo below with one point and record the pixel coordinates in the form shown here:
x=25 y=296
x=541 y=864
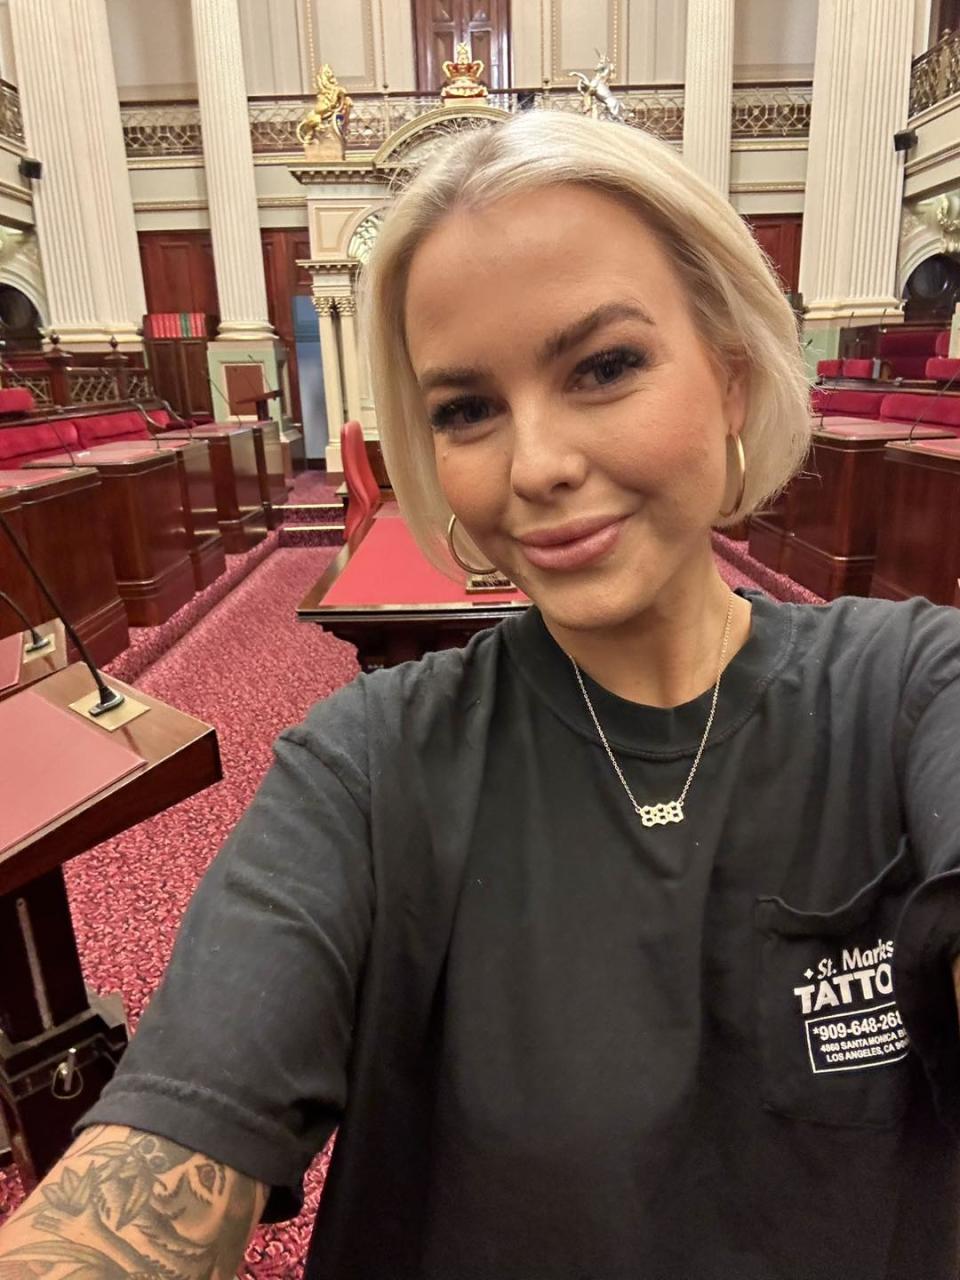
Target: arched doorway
x=19 y=320
x=932 y=290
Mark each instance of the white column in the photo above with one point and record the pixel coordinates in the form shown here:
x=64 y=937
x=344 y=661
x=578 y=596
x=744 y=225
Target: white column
x=228 y=161
x=708 y=90
x=346 y=309
x=82 y=204
x=854 y=185
x=332 y=393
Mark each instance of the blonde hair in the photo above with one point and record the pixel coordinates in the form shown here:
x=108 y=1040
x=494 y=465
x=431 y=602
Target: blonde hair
x=734 y=296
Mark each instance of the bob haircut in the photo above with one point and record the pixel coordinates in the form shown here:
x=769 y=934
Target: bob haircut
x=735 y=300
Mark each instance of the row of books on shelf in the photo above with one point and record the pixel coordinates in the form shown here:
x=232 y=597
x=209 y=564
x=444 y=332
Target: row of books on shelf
x=175 y=324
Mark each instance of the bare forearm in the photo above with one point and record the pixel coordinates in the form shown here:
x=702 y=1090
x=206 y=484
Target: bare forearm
x=122 y=1203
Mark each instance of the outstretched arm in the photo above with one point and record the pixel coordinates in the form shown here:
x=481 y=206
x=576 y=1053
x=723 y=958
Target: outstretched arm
x=123 y=1203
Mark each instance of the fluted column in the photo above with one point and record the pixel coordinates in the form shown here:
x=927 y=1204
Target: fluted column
x=347 y=308
x=228 y=161
x=82 y=204
x=854 y=184
x=708 y=90
x=330 y=360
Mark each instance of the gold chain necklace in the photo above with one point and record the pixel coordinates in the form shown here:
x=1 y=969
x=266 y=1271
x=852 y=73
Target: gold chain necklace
x=654 y=815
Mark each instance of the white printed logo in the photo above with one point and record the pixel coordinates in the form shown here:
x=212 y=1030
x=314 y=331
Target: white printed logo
x=863 y=1027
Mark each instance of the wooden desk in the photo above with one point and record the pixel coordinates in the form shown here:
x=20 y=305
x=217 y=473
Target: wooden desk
x=145 y=524
x=46 y=1012
x=918 y=551
x=382 y=596
x=38 y=666
x=832 y=512
x=61 y=522
x=236 y=481
x=197 y=500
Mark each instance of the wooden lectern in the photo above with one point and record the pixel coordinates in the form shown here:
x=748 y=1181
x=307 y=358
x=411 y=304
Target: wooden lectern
x=70 y=782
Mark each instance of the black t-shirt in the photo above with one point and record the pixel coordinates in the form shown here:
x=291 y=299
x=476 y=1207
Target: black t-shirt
x=559 y=1044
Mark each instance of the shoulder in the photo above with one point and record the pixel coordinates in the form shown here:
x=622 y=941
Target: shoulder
x=403 y=705
x=912 y=643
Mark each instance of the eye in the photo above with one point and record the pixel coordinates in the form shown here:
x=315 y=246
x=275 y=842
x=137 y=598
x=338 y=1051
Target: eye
x=604 y=368
x=464 y=411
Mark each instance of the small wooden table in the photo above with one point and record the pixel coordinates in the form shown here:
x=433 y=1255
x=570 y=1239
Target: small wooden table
x=197 y=499
x=59 y=517
x=381 y=595
x=145 y=524
x=236 y=481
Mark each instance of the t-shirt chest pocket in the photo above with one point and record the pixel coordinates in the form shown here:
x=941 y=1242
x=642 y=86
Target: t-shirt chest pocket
x=832 y=1046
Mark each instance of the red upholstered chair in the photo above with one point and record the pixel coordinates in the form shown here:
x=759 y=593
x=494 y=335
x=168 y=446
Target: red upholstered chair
x=943 y=369
x=941 y=411
x=859 y=404
x=858 y=368
x=829 y=368
x=39 y=440
x=105 y=428
x=16 y=400
x=942 y=345
x=908 y=350
x=362 y=487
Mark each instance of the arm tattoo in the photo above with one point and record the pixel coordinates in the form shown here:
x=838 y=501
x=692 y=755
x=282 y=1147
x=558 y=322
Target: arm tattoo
x=123 y=1203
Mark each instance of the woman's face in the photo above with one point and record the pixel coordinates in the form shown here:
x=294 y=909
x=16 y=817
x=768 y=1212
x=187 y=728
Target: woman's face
x=580 y=426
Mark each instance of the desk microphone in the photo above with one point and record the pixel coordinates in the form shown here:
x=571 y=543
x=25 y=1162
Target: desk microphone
x=37 y=642
x=110 y=699
x=63 y=444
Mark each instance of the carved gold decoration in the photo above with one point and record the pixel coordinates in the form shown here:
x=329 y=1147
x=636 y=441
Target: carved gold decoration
x=936 y=74
x=462 y=78
x=322 y=130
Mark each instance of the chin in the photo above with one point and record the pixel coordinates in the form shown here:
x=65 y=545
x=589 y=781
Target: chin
x=599 y=606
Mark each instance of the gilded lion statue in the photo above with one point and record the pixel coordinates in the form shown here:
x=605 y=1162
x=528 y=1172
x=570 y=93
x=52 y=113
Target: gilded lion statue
x=330 y=113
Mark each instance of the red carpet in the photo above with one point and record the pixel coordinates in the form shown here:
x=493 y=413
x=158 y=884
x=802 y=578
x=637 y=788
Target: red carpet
x=248 y=667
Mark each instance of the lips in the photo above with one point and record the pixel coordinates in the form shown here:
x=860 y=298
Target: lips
x=573 y=545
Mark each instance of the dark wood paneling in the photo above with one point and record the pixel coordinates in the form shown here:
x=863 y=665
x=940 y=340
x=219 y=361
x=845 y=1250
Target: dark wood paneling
x=483 y=25
x=178 y=271
x=282 y=247
x=779 y=237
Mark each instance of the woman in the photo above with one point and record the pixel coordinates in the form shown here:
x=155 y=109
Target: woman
x=585 y=936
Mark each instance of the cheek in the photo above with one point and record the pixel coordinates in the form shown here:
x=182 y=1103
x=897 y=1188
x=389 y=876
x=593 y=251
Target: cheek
x=474 y=479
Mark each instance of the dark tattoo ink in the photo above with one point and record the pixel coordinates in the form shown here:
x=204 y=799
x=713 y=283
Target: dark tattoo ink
x=141 y=1207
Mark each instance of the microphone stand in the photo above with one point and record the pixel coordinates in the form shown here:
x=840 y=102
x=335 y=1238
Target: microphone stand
x=38 y=643
x=110 y=699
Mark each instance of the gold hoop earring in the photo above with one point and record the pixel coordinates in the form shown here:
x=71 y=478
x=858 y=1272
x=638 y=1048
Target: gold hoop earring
x=741 y=459
x=455 y=555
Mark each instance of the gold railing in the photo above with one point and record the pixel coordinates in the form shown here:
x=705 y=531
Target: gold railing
x=11 y=122
x=936 y=73
x=780 y=110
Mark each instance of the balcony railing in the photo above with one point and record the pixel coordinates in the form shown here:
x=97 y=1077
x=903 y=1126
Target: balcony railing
x=774 y=110
x=11 y=122
x=936 y=74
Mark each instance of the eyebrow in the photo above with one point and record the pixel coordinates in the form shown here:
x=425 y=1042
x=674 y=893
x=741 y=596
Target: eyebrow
x=558 y=343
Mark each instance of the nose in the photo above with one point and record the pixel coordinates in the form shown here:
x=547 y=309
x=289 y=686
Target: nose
x=548 y=456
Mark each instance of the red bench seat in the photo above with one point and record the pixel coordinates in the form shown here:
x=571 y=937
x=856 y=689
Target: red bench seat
x=860 y=404
x=19 y=445
x=104 y=428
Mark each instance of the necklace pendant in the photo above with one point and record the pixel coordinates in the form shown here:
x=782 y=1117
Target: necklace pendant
x=658 y=815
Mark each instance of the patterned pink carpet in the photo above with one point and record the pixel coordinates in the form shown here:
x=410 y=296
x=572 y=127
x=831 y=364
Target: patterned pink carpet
x=128 y=895
x=313 y=486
